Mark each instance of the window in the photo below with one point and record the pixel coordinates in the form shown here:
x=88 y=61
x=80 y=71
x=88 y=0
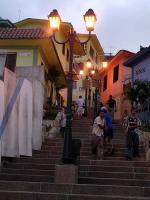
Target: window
x=63 y=49
x=67 y=54
x=105 y=83
x=2 y=64
x=77 y=56
x=85 y=47
x=11 y=61
x=116 y=74
x=91 y=52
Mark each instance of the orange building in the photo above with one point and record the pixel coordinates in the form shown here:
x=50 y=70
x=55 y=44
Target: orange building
x=114 y=78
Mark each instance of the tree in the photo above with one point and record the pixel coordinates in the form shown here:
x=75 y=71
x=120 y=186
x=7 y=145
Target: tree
x=138 y=92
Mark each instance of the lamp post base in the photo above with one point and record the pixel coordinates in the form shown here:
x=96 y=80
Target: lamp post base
x=66 y=174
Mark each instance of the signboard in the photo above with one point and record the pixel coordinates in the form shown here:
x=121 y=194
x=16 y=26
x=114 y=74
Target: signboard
x=86 y=83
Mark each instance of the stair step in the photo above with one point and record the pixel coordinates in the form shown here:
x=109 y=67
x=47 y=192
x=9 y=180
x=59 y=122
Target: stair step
x=48 y=147
x=116 y=163
x=114 y=181
x=26 y=177
x=101 y=167
x=82 y=154
x=111 y=162
x=83 y=149
x=113 y=178
x=27 y=171
x=121 y=175
x=37 y=166
x=75 y=189
x=114 y=168
x=9 y=195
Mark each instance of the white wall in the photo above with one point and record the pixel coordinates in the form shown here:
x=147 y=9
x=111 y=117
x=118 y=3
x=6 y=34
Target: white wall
x=1 y=108
x=21 y=111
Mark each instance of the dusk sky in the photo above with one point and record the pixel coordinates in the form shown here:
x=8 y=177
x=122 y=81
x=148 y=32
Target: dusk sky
x=121 y=24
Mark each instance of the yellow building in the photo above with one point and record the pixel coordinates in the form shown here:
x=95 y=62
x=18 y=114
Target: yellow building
x=94 y=54
x=62 y=50
x=30 y=48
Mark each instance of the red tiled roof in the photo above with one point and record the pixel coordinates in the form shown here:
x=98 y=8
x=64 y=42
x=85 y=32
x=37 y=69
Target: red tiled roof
x=22 y=33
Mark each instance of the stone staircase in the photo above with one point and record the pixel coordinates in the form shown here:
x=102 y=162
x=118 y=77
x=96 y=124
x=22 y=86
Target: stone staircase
x=113 y=178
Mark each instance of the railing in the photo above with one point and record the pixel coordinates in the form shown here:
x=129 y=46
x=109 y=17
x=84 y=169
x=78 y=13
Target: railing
x=144 y=113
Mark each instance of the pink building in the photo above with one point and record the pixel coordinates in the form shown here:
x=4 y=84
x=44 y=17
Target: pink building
x=114 y=78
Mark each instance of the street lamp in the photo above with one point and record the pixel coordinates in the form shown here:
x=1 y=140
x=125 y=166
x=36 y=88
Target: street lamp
x=104 y=64
x=92 y=71
x=54 y=19
x=88 y=64
x=81 y=72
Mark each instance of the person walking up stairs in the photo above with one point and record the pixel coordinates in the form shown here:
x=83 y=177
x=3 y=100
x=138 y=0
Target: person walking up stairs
x=113 y=178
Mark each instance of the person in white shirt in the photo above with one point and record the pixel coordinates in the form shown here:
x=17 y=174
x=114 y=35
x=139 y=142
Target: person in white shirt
x=80 y=107
x=98 y=135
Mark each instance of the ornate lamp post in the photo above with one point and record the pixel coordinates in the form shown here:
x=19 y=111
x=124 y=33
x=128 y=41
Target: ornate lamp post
x=88 y=66
x=54 y=19
x=96 y=80
x=86 y=91
x=95 y=103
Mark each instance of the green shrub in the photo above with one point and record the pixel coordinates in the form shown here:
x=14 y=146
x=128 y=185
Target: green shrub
x=51 y=115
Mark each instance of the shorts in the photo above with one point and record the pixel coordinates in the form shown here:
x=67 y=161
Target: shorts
x=80 y=110
x=108 y=133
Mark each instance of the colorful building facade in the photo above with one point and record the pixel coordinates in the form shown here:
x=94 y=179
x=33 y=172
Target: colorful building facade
x=139 y=64
x=86 y=84
x=62 y=50
x=31 y=68
x=33 y=47
x=114 y=78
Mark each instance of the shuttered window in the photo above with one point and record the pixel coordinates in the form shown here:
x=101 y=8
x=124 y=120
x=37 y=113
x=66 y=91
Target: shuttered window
x=11 y=61
x=91 y=52
x=105 y=83
x=2 y=64
x=116 y=74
